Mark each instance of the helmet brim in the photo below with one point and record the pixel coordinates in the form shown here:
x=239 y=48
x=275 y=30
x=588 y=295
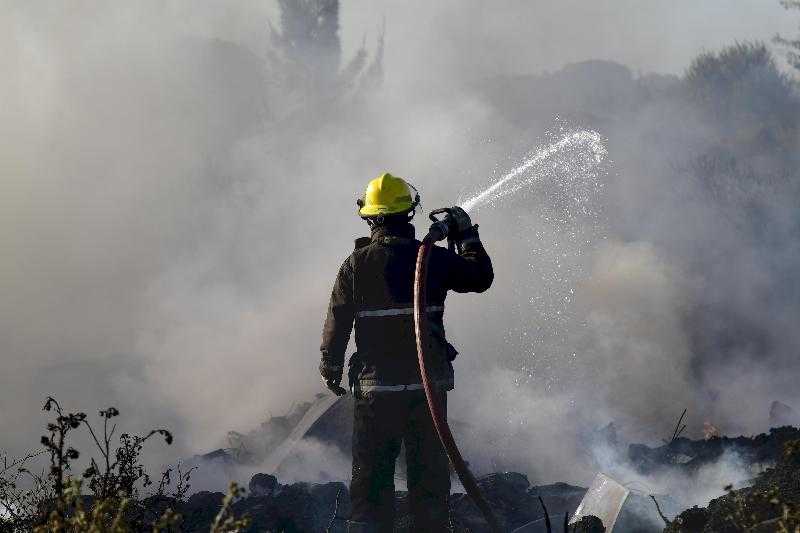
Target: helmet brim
x=375 y=210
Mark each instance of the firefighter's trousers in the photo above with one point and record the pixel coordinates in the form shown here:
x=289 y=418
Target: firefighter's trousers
x=384 y=420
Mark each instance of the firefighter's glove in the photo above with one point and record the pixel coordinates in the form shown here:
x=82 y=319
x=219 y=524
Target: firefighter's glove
x=332 y=377
x=459 y=221
x=463 y=231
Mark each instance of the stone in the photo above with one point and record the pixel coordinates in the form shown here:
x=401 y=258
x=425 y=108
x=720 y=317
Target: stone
x=262 y=485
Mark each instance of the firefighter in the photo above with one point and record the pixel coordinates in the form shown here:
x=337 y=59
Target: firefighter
x=373 y=290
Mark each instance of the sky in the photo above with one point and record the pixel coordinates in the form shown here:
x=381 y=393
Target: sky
x=525 y=37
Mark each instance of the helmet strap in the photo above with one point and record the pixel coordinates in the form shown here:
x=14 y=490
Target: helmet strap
x=380 y=220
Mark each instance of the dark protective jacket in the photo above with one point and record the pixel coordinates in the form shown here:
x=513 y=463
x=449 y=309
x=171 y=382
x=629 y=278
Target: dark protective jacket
x=374 y=290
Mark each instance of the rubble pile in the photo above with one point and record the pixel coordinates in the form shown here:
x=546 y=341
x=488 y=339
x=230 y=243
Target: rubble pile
x=303 y=507
x=688 y=455
x=515 y=502
x=326 y=506
x=253 y=447
x=772 y=503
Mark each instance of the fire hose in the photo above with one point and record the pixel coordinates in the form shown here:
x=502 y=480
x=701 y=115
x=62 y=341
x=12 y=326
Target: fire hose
x=439 y=230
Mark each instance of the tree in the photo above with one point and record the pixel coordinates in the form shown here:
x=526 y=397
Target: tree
x=792 y=45
x=309 y=36
x=745 y=93
x=305 y=59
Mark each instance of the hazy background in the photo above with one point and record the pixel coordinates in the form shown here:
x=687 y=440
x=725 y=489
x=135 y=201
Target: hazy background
x=178 y=191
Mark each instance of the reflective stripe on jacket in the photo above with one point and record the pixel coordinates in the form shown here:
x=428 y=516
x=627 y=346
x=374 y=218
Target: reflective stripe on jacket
x=400 y=311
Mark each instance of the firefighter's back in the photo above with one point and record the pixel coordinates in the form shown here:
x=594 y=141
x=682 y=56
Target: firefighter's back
x=383 y=282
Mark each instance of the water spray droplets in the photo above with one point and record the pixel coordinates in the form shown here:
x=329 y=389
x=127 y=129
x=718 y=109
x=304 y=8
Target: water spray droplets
x=558 y=189
x=576 y=154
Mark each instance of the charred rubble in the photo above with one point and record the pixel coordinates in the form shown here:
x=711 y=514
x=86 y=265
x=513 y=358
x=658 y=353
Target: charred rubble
x=688 y=455
x=305 y=507
x=771 y=503
x=274 y=506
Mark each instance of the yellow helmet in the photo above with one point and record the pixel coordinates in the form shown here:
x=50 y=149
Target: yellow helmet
x=388 y=195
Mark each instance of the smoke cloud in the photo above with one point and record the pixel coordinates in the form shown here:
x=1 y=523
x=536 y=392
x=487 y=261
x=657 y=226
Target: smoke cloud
x=178 y=192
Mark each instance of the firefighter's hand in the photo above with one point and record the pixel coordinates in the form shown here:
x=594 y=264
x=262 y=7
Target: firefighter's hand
x=460 y=220
x=332 y=377
x=463 y=230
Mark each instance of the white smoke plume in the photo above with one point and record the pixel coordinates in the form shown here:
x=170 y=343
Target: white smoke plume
x=175 y=204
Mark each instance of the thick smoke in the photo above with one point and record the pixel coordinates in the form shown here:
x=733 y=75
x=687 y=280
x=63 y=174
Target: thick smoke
x=179 y=184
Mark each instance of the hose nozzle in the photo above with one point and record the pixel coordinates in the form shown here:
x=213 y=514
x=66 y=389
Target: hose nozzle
x=440 y=228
